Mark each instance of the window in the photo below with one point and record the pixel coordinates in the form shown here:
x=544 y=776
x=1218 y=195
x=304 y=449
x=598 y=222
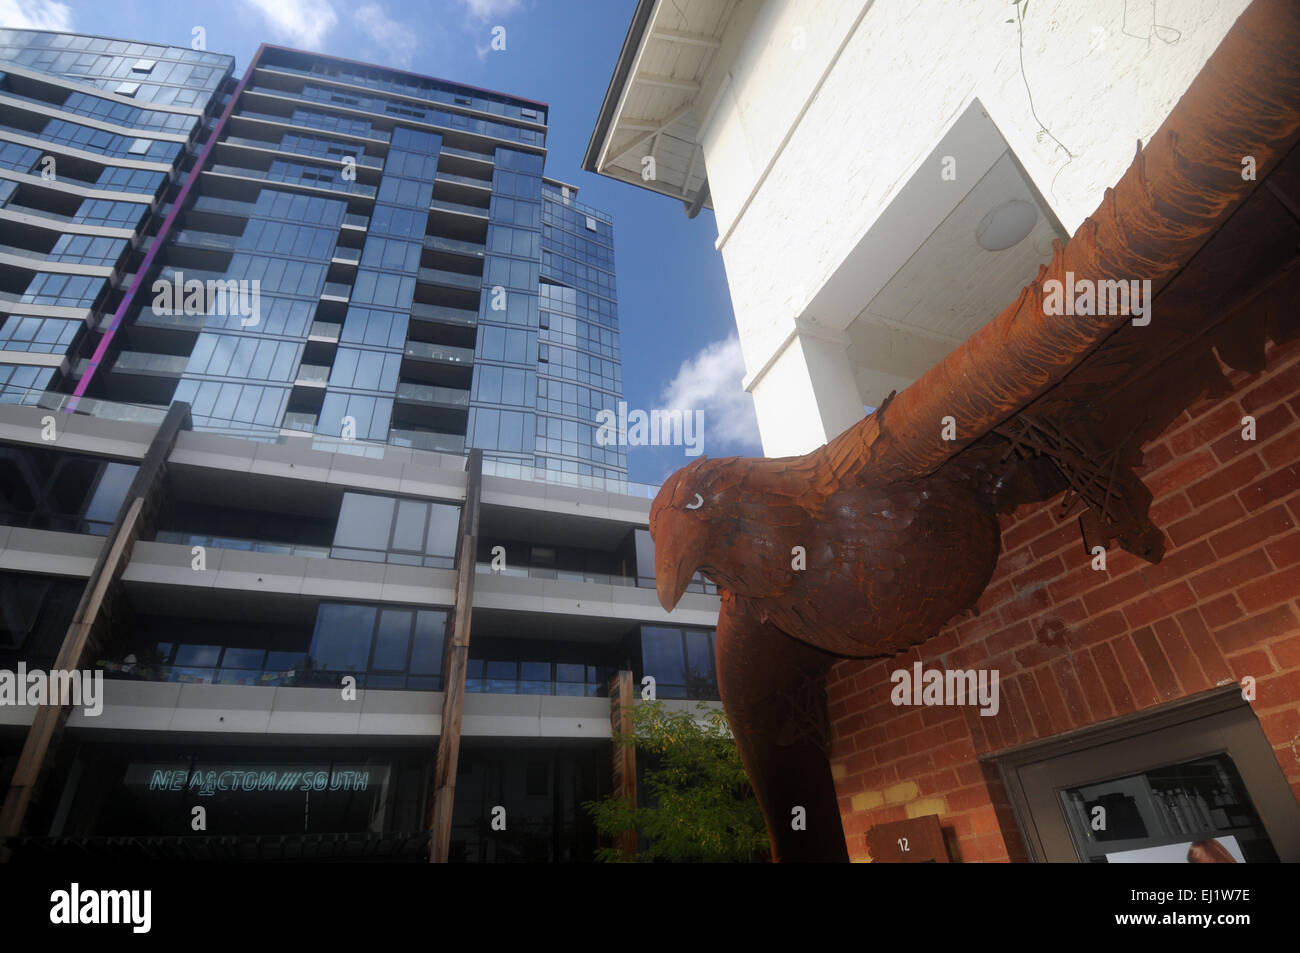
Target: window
x=127 y=89
x=1190 y=782
x=144 y=66
x=405 y=532
x=384 y=647
x=680 y=660
x=591 y=224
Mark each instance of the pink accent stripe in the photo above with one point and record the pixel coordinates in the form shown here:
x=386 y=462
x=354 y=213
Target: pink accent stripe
x=160 y=239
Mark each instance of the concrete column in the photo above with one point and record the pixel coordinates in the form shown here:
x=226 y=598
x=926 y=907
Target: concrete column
x=806 y=394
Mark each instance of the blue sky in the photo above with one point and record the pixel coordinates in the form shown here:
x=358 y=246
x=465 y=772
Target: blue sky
x=674 y=310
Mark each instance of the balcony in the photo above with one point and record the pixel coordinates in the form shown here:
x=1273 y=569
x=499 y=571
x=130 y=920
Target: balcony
x=432 y=394
x=337 y=291
x=138 y=362
x=458 y=208
x=468 y=154
x=468 y=180
x=347 y=256
x=442 y=314
x=454 y=246
x=246 y=545
x=351 y=220
x=311 y=375
x=299 y=422
x=206 y=240
x=427 y=440
x=324 y=331
x=450 y=279
x=440 y=353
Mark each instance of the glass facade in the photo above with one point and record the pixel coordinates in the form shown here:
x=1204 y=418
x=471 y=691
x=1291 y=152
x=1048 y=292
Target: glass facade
x=84 y=113
x=361 y=255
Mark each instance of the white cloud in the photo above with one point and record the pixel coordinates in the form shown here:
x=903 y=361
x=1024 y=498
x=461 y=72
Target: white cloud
x=300 y=23
x=711 y=381
x=397 y=41
x=35 y=15
x=487 y=9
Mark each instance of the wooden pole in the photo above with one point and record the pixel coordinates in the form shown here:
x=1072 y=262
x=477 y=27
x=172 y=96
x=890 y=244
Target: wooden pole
x=456 y=662
x=136 y=511
x=621 y=723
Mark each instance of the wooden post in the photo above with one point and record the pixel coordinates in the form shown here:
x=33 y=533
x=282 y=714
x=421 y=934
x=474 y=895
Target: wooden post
x=621 y=722
x=455 y=664
x=137 y=511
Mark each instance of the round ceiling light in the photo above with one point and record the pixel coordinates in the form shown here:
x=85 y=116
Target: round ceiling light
x=1006 y=225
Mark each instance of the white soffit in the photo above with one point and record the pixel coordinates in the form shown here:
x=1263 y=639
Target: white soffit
x=657 y=114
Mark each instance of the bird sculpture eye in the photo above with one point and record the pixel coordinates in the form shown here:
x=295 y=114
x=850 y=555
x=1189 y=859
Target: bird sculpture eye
x=696 y=503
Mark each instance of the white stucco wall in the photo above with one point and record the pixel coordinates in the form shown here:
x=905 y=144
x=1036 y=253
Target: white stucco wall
x=803 y=156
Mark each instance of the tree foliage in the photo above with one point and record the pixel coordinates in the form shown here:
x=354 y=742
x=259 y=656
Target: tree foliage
x=702 y=807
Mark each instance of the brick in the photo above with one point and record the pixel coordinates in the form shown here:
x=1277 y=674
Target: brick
x=1254 y=530
x=921 y=808
x=1285 y=551
x=1135 y=672
x=1203 y=645
x=1287 y=652
x=1254 y=629
x=1099 y=628
x=1184 y=560
x=1282 y=727
x=868 y=800
x=1014 y=705
x=1281 y=586
x=1030 y=602
x=1022 y=532
x=1114 y=593
x=1159 y=604
x=1232 y=445
x=1169 y=508
x=1272 y=389
x=1278 y=484
x=1040 y=572
x=968 y=799
x=1229 y=575
x=941 y=782
x=1155 y=456
x=1093 y=692
x=1276 y=690
x=1228 y=479
x=1206 y=520
x=1181 y=472
x=915 y=766
x=1072 y=692
x=1183 y=661
x=1037 y=709
x=1111 y=679
x=1225 y=416
x=1282 y=451
x=1161 y=673
x=1009 y=638
x=1053 y=700
x=1067 y=534
x=1219 y=612
x=905 y=791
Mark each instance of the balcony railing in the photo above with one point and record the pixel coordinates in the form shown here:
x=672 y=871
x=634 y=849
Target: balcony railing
x=138 y=362
x=370 y=162
x=209 y=203
x=519 y=471
x=469 y=154
x=336 y=289
x=454 y=246
x=245 y=545
x=431 y=394
x=444 y=353
x=354 y=188
x=425 y=440
x=464 y=180
x=453 y=279
x=325 y=329
x=444 y=314
x=460 y=207
x=211 y=240
x=356 y=221
x=304 y=423
x=312 y=374
x=350 y=255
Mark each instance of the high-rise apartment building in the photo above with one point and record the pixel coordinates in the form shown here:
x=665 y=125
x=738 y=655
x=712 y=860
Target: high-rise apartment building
x=417 y=281
x=339 y=278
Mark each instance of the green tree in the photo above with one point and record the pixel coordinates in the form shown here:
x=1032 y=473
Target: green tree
x=701 y=805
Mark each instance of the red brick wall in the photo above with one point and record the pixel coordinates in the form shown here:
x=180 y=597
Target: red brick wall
x=1076 y=646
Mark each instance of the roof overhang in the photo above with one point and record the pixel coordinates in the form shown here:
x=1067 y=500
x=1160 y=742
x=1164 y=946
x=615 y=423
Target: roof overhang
x=647 y=130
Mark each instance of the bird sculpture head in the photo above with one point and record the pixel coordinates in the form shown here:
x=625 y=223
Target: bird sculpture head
x=712 y=517
x=681 y=521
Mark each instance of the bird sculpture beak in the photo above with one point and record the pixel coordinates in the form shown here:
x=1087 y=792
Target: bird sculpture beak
x=675 y=566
